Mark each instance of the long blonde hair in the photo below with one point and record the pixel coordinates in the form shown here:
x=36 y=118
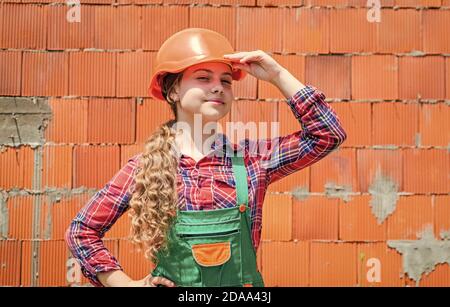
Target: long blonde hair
x=154 y=196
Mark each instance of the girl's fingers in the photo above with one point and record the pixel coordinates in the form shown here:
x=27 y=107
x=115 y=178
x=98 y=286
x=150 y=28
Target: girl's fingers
x=243 y=66
x=162 y=281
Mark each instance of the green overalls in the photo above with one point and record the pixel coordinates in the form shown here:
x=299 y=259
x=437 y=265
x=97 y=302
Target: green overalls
x=213 y=247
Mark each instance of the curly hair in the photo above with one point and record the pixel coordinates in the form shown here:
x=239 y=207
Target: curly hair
x=154 y=196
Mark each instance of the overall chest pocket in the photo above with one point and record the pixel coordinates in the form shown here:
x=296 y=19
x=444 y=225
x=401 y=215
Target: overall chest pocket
x=213 y=251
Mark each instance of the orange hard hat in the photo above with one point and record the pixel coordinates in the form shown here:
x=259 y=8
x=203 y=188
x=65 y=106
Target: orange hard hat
x=186 y=48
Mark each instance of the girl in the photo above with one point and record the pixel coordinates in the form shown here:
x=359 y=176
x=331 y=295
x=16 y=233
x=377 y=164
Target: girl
x=196 y=198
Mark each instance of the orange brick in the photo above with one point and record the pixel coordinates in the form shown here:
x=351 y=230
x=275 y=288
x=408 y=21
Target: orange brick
x=69 y=34
x=406 y=37
x=26 y=264
x=426 y=171
x=140 y=1
x=58 y=212
x=421 y=77
x=128 y=151
x=292 y=270
x=133 y=73
x=357 y=120
x=446 y=3
x=258 y=117
x=373 y=164
x=338 y=168
x=121 y=228
x=234 y=2
x=333 y=264
x=246 y=88
x=118 y=27
x=434 y=38
x=133 y=261
x=23 y=26
x=434 y=124
x=92 y=73
x=10 y=72
x=10 y=258
x=292 y=182
x=418 y=3
x=447 y=77
x=53 y=256
x=439 y=277
x=379 y=266
x=159 y=23
x=45 y=74
x=357 y=222
x=388 y=117
x=184 y=2
x=442 y=212
x=277 y=217
x=374 y=77
x=331 y=74
x=221 y=20
x=69 y=121
x=17 y=168
x=306 y=30
x=315 y=218
x=350 y=31
x=111 y=121
x=150 y=115
x=20 y=217
x=57 y=166
x=334 y=3
x=278 y=2
x=94 y=166
x=259 y=27
x=411 y=216
x=254 y=111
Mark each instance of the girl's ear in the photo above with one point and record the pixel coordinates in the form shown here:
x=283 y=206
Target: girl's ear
x=174 y=96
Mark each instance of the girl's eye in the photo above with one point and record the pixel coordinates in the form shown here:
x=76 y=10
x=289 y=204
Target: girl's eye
x=205 y=78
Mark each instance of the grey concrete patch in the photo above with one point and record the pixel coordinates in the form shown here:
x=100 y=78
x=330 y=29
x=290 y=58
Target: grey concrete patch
x=300 y=193
x=384 y=196
x=23 y=120
x=4 y=215
x=333 y=190
x=423 y=255
x=445 y=234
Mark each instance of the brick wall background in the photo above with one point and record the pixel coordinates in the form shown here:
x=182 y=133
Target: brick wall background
x=74 y=108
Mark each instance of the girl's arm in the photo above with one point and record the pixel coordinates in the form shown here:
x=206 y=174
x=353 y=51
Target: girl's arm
x=322 y=131
x=84 y=235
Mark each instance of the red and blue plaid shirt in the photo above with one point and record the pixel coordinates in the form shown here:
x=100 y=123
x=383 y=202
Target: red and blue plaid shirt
x=209 y=183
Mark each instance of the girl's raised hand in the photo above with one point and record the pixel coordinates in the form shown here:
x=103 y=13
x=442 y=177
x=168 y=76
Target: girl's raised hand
x=150 y=281
x=257 y=63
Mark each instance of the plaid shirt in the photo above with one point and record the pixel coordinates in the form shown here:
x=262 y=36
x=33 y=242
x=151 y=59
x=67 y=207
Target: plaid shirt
x=209 y=183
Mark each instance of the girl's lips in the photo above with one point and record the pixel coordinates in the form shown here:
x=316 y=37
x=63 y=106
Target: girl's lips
x=216 y=101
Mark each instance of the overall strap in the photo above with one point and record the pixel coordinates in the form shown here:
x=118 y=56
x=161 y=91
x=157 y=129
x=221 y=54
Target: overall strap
x=240 y=177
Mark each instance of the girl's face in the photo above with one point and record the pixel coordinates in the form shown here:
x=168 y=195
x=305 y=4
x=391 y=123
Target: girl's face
x=205 y=89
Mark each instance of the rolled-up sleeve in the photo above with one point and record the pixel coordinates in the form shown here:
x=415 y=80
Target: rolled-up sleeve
x=85 y=232
x=321 y=132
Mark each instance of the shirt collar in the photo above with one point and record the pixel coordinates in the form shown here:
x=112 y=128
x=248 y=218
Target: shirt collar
x=222 y=146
